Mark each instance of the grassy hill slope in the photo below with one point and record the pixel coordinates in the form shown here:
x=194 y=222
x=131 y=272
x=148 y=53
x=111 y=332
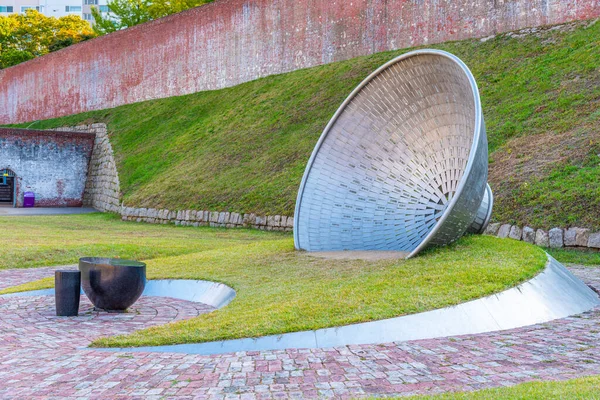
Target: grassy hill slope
x=244 y=148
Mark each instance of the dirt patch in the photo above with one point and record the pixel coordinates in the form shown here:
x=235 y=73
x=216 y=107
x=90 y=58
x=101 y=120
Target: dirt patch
x=543 y=32
x=372 y=255
x=532 y=157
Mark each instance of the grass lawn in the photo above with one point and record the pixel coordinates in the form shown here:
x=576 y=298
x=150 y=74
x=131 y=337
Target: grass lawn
x=572 y=256
x=278 y=289
x=58 y=240
x=582 y=388
x=244 y=148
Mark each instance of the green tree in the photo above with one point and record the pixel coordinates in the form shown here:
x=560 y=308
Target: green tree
x=29 y=35
x=126 y=13
x=11 y=57
x=123 y=14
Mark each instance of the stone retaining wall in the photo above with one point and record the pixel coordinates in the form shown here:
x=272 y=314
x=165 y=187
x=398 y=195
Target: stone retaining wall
x=102 y=188
x=208 y=218
x=103 y=192
x=554 y=238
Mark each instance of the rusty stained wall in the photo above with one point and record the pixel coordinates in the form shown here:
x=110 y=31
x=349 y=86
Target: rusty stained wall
x=232 y=41
x=53 y=165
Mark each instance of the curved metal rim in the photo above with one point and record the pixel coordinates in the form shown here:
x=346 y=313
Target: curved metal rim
x=112 y=262
x=470 y=162
x=201 y=291
x=490 y=208
x=552 y=293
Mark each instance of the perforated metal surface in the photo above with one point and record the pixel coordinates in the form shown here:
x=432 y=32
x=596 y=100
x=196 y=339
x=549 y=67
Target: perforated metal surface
x=401 y=165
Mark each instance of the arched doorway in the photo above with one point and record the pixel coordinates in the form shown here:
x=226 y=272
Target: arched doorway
x=7 y=187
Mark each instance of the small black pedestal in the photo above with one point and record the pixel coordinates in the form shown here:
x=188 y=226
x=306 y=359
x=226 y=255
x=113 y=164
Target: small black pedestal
x=67 y=289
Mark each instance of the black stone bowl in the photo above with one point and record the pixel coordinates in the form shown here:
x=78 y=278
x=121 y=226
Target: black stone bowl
x=112 y=284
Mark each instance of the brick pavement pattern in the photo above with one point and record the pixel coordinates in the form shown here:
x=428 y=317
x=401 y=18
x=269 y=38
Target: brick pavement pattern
x=44 y=355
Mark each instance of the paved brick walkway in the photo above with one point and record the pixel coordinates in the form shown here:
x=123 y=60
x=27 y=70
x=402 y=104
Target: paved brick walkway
x=14 y=277
x=42 y=355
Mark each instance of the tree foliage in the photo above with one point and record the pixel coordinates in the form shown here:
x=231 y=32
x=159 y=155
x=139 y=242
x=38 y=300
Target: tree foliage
x=30 y=35
x=126 y=13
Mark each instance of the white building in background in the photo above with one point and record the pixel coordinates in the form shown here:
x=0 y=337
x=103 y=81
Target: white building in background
x=54 y=8
x=87 y=8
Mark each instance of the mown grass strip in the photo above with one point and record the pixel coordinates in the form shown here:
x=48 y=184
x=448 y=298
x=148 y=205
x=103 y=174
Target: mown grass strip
x=278 y=289
x=582 y=388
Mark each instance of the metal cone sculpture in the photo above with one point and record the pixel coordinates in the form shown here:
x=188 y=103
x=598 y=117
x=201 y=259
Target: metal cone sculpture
x=403 y=163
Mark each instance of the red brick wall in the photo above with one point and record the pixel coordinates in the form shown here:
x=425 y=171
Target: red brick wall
x=232 y=41
x=51 y=164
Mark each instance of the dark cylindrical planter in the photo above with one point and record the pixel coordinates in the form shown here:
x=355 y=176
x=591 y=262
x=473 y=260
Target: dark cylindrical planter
x=112 y=284
x=67 y=289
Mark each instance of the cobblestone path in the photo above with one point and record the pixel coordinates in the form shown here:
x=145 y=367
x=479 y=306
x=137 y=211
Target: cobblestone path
x=45 y=356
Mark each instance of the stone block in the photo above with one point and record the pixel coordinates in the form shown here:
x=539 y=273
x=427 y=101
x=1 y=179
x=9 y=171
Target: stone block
x=504 y=231
x=541 y=238
x=249 y=219
x=594 y=240
x=492 y=229
x=583 y=235
x=261 y=220
x=515 y=232
x=529 y=234
x=214 y=217
x=555 y=236
x=577 y=237
x=570 y=237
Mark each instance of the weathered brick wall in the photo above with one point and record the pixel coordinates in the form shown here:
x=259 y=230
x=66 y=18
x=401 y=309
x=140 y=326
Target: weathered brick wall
x=53 y=165
x=232 y=41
